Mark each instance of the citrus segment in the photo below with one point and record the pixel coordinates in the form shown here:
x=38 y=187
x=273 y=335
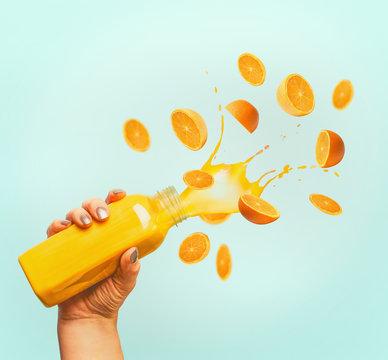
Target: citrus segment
x=215 y=219
x=329 y=149
x=343 y=94
x=194 y=248
x=245 y=113
x=224 y=262
x=257 y=210
x=136 y=135
x=198 y=179
x=295 y=96
x=325 y=204
x=190 y=128
x=251 y=69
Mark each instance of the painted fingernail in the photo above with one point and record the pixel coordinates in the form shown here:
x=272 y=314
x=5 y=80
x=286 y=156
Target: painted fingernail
x=65 y=222
x=101 y=213
x=117 y=191
x=134 y=255
x=85 y=219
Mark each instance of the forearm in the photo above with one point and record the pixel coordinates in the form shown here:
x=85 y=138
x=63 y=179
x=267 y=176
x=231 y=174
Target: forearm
x=95 y=338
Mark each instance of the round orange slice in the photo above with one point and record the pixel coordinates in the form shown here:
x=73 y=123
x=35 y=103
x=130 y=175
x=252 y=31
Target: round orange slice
x=257 y=210
x=325 y=204
x=295 y=96
x=194 y=248
x=224 y=262
x=215 y=219
x=190 y=128
x=136 y=135
x=329 y=149
x=343 y=94
x=198 y=179
x=245 y=113
x=251 y=69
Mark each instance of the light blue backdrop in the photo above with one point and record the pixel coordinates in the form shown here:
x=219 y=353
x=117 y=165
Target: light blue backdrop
x=309 y=286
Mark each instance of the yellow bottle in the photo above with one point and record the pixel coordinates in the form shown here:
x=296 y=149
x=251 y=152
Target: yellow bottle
x=75 y=259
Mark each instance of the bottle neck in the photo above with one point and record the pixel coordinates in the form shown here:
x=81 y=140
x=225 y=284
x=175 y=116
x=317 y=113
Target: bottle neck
x=171 y=202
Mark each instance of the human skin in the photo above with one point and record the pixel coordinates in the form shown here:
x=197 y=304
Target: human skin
x=87 y=322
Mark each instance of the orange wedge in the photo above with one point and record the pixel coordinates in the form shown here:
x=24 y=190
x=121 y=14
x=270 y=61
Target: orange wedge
x=215 y=219
x=245 y=113
x=329 y=149
x=295 y=96
x=343 y=94
x=190 y=128
x=251 y=69
x=194 y=248
x=136 y=135
x=224 y=262
x=198 y=179
x=325 y=204
x=257 y=210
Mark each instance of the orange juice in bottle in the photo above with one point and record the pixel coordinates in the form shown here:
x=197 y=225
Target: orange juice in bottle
x=75 y=259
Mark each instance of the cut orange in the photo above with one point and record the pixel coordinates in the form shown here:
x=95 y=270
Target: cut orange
x=194 y=248
x=251 y=69
x=325 y=204
x=257 y=210
x=136 y=135
x=295 y=96
x=343 y=94
x=198 y=179
x=215 y=219
x=245 y=113
x=329 y=149
x=224 y=262
x=190 y=128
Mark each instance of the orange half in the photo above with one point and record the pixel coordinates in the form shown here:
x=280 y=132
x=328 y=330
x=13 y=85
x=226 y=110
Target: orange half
x=343 y=94
x=257 y=210
x=136 y=135
x=329 y=149
x=295 y=96
x=325 y=204
x=190 y=128
x=198 y=179
x=215 y=219
x=251 y=69
x=224 y=262
x=245 y=113
x=194 y=248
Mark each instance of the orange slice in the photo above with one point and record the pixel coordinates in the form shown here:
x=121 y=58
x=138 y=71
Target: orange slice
x=329 y=149
x=194 y=248
x=245 y=113
x=224 y=262
x=215 y=219
x=198 y=179
x=190 y=128
x=257 y=210
x=251 y=69
x=325 y=204
x=343 y=94
x=295 y=96
x=136 y=135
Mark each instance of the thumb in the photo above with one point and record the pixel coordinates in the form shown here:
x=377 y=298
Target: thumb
x=126 y=274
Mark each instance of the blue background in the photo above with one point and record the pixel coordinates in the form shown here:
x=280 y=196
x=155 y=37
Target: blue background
x=309 y=286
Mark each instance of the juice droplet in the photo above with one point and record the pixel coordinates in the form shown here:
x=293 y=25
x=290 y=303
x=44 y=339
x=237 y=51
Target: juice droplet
x=313 y=166
x=299 y=179
x=206 y=73
x=336 y=174
x=302 y=167
x=284 y=136
x=325 y=170
x=298 y=125
x=215 y=89
x=266 y=147
x=219 y=107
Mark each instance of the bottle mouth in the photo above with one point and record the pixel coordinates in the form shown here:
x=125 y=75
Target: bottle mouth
x=171 y=201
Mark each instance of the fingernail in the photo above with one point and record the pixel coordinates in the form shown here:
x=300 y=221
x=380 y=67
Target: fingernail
x=117 y=191
x=134 y=255
x=65 y=222
x=101 y=213
x=85 y=219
